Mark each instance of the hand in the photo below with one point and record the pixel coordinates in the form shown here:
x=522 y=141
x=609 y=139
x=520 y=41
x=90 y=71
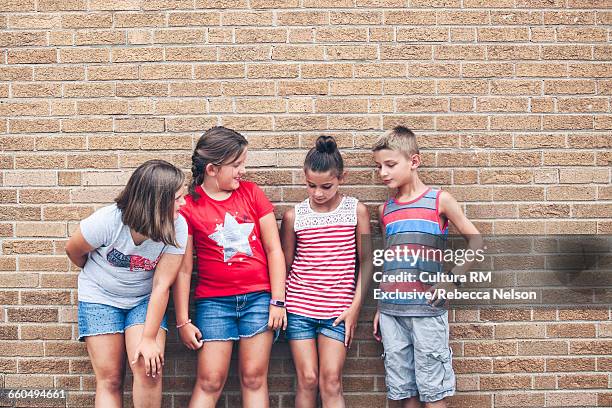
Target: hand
x=278 y=318
x=191 y=336
x=349 y=317
x=376 y=322
x=436 y=300
x=152 y=355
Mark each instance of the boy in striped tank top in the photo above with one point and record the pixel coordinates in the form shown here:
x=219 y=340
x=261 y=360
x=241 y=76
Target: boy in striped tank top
x=321 y=238
x=413 y=329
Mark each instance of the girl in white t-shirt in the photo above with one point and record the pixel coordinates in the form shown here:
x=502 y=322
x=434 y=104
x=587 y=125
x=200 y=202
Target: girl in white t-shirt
x=129 y=254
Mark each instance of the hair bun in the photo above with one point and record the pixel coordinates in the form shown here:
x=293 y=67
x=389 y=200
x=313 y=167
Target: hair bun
x=326 y=144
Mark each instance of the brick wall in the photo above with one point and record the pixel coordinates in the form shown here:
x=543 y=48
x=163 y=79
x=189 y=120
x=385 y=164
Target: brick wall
x=510 y=98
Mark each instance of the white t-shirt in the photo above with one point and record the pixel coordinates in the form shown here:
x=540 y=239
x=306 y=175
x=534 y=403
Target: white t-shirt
x=118 y=272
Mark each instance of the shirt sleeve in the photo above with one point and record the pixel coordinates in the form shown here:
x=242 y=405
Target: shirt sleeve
x=262 y=205
x=184 y=211
x=180 y=227
x=97 y=229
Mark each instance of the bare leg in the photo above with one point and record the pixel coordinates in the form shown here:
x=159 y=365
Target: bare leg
x=437 y=404
x=107 y=355
x=332 y=354
x=254 y=359
x=305 y=358
x=147 y=391
x=213 y=366
x=413 y=402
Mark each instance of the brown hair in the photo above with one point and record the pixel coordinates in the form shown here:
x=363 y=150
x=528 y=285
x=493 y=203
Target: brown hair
x=147 y=201
x=218 y=145
x=400 y=138
x=325 y=156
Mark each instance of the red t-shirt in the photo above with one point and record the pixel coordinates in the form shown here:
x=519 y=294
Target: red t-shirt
x=227 y=241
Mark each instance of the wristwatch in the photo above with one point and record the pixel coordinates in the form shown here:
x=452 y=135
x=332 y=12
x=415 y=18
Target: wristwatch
x=279 y=303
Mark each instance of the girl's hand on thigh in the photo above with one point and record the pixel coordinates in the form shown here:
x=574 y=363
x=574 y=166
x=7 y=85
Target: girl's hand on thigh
x=191 y=336
x=349 y=317
x=278 y=318
x=152 y=355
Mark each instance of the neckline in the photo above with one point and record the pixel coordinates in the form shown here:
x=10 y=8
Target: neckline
x=203 y=192
x=413 y=200
x=132 y=238
x=326 y=212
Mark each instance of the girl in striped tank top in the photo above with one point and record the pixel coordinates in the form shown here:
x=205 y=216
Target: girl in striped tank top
x=322 y=237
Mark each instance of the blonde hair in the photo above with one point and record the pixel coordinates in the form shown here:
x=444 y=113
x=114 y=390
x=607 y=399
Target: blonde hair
x=400 y=139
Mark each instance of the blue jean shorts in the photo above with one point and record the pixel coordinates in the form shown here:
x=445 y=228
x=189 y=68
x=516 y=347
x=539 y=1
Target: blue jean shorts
x=418 y=360
x=97 y=318
x=301 y=328
x=225 y=318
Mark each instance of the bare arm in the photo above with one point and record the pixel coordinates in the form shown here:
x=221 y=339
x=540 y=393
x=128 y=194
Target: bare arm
x=452 y=211
x=287 y=236
x=276 y=268
x=182 y=285
x=165 y=274
x=449 y=208
x=190 y=335
x=376 y=320
x=78 y=249
x=364 y=252
x=381 y=209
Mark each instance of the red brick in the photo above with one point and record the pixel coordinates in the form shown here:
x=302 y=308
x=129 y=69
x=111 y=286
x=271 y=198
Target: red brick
x=583 y=381
x=488 y=383
x=520 y=399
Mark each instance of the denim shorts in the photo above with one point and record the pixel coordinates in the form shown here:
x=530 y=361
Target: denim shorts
x=224 y=318
x=418 y=360
x=301 y=327
x=97 y=318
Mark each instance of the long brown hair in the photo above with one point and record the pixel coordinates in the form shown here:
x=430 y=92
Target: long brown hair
x=218 y=145
x=147 y=201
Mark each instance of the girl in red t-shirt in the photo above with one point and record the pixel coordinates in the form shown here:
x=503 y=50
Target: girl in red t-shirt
x=240 y=292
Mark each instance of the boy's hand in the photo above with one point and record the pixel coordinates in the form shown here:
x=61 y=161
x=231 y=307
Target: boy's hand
x=191 y=336
x=376 y=322
x=278 y=318
x=436 y=300
x=349 y=317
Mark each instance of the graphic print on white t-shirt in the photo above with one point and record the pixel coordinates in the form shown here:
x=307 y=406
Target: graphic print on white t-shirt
x=132 y=262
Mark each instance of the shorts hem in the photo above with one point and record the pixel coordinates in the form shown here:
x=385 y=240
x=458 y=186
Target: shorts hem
x=82 y=336
x=437 y=397
x=332 y=337
x=228 y=339
x=258 y=331
x=142 y=324
x=300 y=336
x=398 y=396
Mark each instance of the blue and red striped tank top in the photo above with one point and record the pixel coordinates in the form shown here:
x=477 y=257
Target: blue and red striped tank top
x=413 y=232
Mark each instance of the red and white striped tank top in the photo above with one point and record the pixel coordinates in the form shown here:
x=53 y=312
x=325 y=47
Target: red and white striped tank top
x=321 y=283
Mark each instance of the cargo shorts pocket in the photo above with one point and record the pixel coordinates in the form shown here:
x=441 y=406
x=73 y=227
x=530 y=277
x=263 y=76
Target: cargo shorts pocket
x=440 y=376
